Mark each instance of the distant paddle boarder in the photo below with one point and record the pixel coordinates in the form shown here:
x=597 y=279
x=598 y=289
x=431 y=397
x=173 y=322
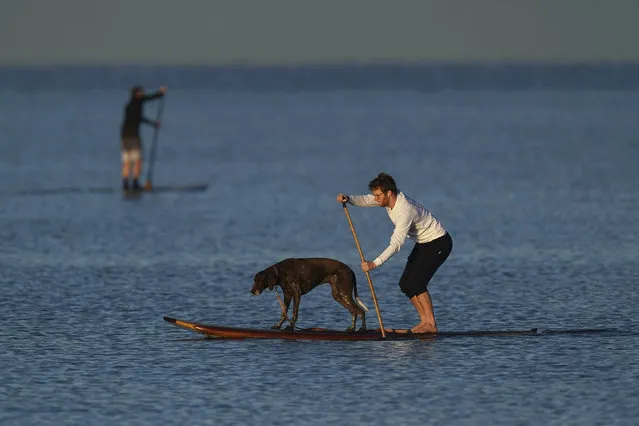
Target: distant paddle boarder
x=131 y=143
x=432 y=246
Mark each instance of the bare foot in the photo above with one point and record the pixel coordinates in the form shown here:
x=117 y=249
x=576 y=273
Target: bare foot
x=424 y=328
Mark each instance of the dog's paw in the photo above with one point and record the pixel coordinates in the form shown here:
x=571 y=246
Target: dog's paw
x=275 y=327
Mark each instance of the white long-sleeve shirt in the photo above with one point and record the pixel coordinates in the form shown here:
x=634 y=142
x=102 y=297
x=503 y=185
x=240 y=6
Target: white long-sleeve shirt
x=411 y=221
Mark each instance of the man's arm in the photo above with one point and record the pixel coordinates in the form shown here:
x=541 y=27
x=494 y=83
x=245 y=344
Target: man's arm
x=152 y=96
x=397 y=240
x=160 y=93
x=367 y=200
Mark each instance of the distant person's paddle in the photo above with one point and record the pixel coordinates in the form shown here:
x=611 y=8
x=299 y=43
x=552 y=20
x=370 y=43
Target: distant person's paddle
x=368 y=276
x=148 y=185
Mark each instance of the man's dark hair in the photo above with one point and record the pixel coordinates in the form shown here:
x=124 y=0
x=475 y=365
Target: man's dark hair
x=135 y=89
x=384 y=182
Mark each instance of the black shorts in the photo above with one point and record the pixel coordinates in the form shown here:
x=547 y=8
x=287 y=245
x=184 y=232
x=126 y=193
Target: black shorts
x=422 y=264
x=130 y=143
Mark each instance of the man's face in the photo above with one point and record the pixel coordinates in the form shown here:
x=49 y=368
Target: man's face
x=381 y=197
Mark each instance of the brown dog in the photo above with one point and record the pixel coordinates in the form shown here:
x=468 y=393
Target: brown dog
x=297 y=277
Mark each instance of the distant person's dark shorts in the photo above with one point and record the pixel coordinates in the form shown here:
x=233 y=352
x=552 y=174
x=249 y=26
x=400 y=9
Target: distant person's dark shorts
x=131 y=149
x=422 y=263
x=129 y=143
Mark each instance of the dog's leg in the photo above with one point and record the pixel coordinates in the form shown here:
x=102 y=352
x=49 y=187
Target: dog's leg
x=287 y=303
x=352 y=310
x=297 y=296
x=363 y=316
x=357 y=309
x=347 y=301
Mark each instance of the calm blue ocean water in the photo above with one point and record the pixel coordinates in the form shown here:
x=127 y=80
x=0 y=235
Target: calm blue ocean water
x=532 y=169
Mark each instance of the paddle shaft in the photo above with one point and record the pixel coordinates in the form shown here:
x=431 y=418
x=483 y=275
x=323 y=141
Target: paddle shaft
x=154 y=142
x=368 y=275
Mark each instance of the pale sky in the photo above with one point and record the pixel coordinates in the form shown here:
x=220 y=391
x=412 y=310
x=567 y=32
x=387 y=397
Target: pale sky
x=52 y=32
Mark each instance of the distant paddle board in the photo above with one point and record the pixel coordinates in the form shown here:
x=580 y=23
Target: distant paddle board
x=110 y=190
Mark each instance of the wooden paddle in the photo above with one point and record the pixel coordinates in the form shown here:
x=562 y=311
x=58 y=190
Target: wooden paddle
x=148 y=185
x=368 y=276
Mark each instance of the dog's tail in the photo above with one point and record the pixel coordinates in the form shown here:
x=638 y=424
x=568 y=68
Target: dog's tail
x=360 y=303
x=357 y=299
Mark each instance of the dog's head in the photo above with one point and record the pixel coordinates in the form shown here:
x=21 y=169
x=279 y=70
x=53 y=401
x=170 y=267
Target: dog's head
x=263 y=280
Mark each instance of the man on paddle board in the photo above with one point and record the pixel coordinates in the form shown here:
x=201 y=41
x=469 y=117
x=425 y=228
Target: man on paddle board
x=432 y=246
x=131 y=144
